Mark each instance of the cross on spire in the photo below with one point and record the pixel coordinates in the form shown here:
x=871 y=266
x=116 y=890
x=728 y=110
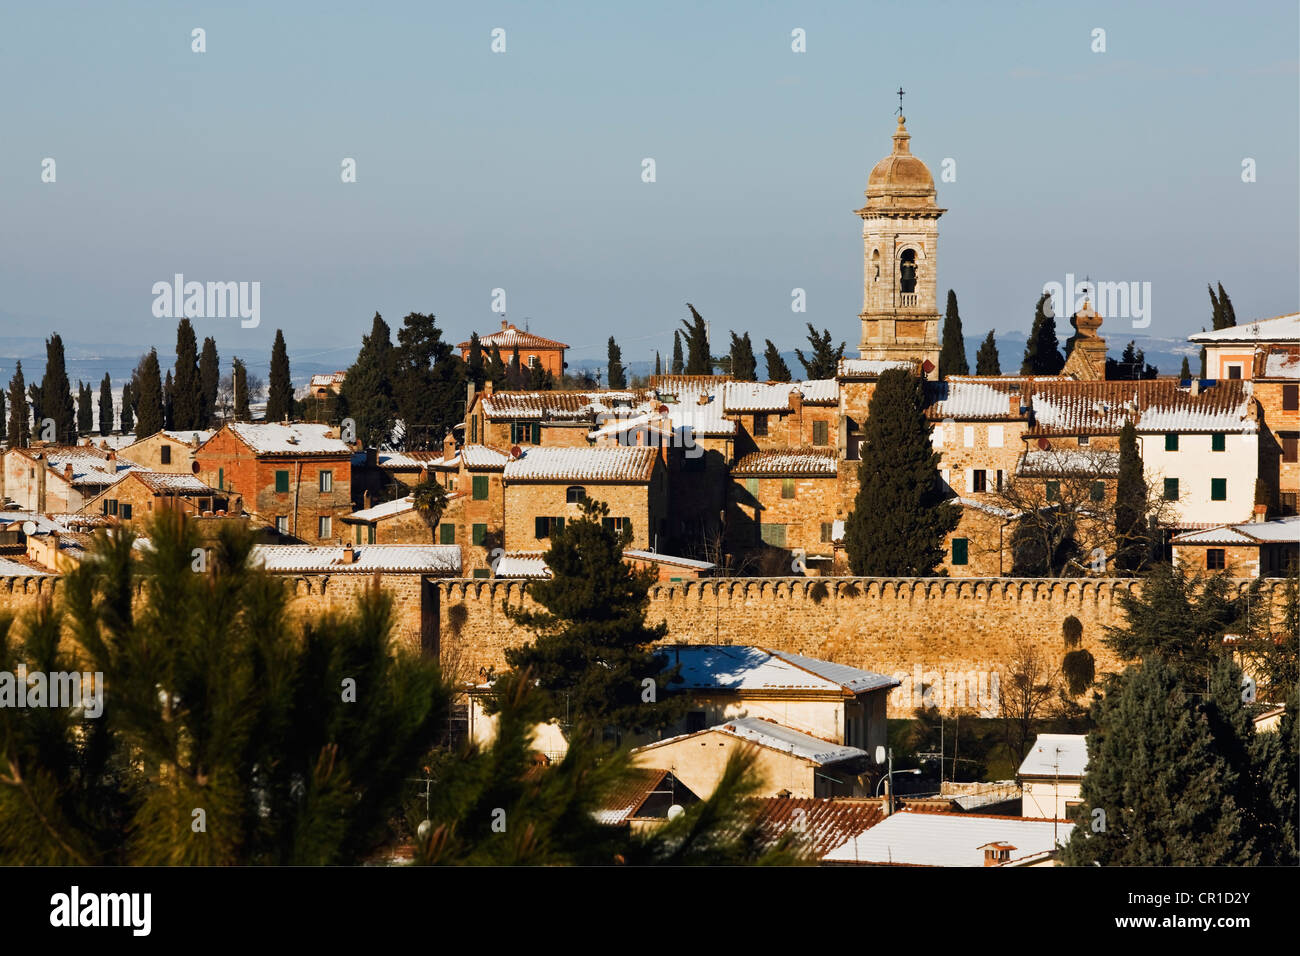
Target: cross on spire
x=900 y=101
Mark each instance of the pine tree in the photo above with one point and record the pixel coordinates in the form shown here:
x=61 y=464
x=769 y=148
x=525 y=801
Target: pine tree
x=209 y=382
x=150 y=410
x=744 y=366
x=279 y=399
x=496 y=371
x=1216 y=310
x=678 y=364
x=106 y=406
x=428 y=381
x=592 y=653
x=367 y=393
x=514 y=372
x=1132 y=541
x=56 y=393
x=698 y=359
x=169 y=401
x=475 y=367
x=1043 y=348
x=1166 y=794
x=239 y=386
x=187 y=390
x=777 y=370
x=658 y=365
x=986 y=359
x=1229 y=314
x=900 y=516
x=4 y=423
x=539 y=379
x=616 y=377
x=952 y=357
x=85 y=413
x=825 y=361
x=127 y=419
x=19 y=432
x=1185 y=372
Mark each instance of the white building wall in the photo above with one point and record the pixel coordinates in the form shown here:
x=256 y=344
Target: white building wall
x=1049 y=799
x=1194 y=464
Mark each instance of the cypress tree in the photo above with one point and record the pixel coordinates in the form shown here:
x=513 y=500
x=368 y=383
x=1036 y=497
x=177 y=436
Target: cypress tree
x=952 y=357
x=1216 y=310
x=1185 y=372
x=4 y=424
x=1043 y=348
x=85 y=413
x=1132 y=546
x=825 y=360
x=986 y=359
x=106 y=406
x=19 y=431
x=496 y=369
x=617 y=377
x=514 y=372
x=698 y=359
x=149 y=400
x=279 y=399
x=475 y=367
x=428 y=382
x=1229 y=314
x=744 y=366
x=187 y=389
x=678 y=363
x=900 y=516
x=127 y=422
x=777 y=370
x=209 y=381
x=56 y=393
x=169 y=401
x=239 y=385
x=367 y=393
x=658 y=365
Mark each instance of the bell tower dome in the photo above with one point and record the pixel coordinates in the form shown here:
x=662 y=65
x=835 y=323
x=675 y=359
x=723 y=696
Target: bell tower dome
x=900 y=238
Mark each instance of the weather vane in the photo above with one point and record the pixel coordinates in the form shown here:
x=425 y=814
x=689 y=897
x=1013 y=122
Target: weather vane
x=900 y=101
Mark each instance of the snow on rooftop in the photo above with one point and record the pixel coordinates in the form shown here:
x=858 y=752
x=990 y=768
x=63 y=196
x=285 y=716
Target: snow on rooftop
x=521 y=564
x=949 y=839
x=610 y=463
x=1248 y=533
x=774 y=736
x=658 y=558
x=1281 y=363
x=385 y=510
x=870 y=368
x=1053 y=462
x=368 y=558
x=775 y=396
x=969 y=401
x=90 y=467
x=694 y=402
x=293 y=438
x=987 y=508
x=169 y=484
x=479 y=457
x=749 y=668
x=1283 y=328
x=193 y=437
x=809 y=460
x=1056 y=755
x=16 y=569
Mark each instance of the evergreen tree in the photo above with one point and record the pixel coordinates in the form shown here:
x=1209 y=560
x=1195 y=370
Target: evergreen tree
x=900 y=516
x=150 y=409
x=1203 y=375
x=4 y=423
x=1216 y=310
x=279 y=398
x=1167 y=795
x=698 y=358
x=986 y=359
x=19 y=432
x=239 y=386
x=825 y=361
x=430 y=500
x=1132 y=541
x=475 y=367
x=514 y=372
x=367 y=393
x=1275 y=758
x=209 y=382
x=85 y=413
x=428 y=382
x=617 y=377
x=496 y=368
x=679 y=365
x=169 y=401
x=34 y=397
x=593 y=649
x=777 y=370
x=539 y=379
x=1185 y=372
x=187 y=390
x=1043 y=348
x=127 y=421
x=1229 y=314
x=1132 y=365
x=106 y=406
x=952 y=357
x=744 y=366
x=56 y=393
x=658 y=365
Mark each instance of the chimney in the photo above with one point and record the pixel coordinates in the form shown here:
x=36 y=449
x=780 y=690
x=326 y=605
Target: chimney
x=1261 y=513
x=365 y=500
x=796 y=401
x=505 y=324
x=349 y=556
x=888 y=805
x=67 y=471
x=448 y=445
x=996 y=854
x=487 y=388
x=1015 y=405
x=1196 y=386
x=112 y=459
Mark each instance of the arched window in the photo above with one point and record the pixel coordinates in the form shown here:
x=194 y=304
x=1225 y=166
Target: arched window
x=875 y=265
x=907 y=271
x=575 y=494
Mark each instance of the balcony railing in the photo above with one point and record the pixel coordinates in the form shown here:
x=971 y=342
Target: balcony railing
x=908 y=299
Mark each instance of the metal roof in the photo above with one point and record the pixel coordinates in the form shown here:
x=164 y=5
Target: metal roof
x=949 y=839
x=1056 y=755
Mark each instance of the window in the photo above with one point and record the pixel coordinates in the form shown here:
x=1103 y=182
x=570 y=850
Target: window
x=446 y=533
x=537 y=433
x=827 y=530
x=480 y=487
x=281 y=482
x=617 y=525
x=112 y=506
x=968 y=436
x=1218 y=489
x=479 y=534
x=532 y=361
x=526 y=433
x=1098 y=491
x=326 y=482
x=1290 y=398
x=282 y=524
x=1218 y=442
x=1171 y=441
x=773 y=534
x=821 y=433
x=787 y=487
x=1085 y=440
x=1290 y=447
x=760 y=424
x=980 y=480
x=1053 y=490
x=544 y=527
x=126 y=512
x=482 y=573
x=751 y=486
x=221 y=479
x=995 y=436
x=370 y=534
x=960 y=551
x=1288 y=502
x=1234 y=371
x=1214 y=559
x=1171 y=489
x=575 y=495
x=324 y=524
x=165 y=454
x=358 y=534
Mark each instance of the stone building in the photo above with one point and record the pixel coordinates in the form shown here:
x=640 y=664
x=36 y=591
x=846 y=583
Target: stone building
x=786 y=500
x=772 y=415
x=139 y=495
x=1276 y=385
x=58 y=478
x=551 y=418
x=170 y=452
x=1230 y=353
x=534 y=350
x=475 y=517
x=1254 y=549
x=392 y=522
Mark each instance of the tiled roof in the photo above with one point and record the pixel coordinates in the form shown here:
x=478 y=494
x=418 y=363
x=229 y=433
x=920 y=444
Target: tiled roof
x=819 y=825
x=1248 y=533
x=775 y=396
x=1154 y=405
x=1283 y=328
x=789 y=461
x=1222 y=407
x=522 y=564
x=673 y=560
x=948 y=839
x=773 y=736
x=294 y=438
x=871 y=368
x=1056 y=755
x=560 y=406
x=704 y=418
x=193 y=437
x=1053 y=463
x=670 y=384
x=986 y=508
x=166 y=484
x=326 y=379
x=484 y=458
x=1281 y=362
x=633 y=789
x=746 y=668
x=369 y=558
x=968 y=400
x=617 y=463
x=90 y=467
x=404 y=461
x=385 y=510
x=511 y=337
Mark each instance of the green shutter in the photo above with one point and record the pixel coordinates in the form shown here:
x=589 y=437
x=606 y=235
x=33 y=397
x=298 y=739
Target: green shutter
x=221 y=479
x=281 y=482
x=751 y=485
x=446 y=533
x=480 y=487
x=1218 y=489
x=541 y=527
x=1098 y=491
x=960 y=550
x=370 y=534
x=358 y=534
x=1171 y=489
x=1053 y=490
x=482 y=573
x=773 y=534
x=1171 y=441
x=537 y=433
x=480 y=534
x=787 y=487
x=1218 y=442
x=821 y=432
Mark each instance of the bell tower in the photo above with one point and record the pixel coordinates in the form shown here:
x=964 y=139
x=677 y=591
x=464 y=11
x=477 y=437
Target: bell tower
x=900 y=239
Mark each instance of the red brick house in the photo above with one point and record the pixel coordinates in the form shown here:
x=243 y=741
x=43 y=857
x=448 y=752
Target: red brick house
x=533 y=349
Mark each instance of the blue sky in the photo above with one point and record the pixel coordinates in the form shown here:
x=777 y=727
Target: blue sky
x=522 y=170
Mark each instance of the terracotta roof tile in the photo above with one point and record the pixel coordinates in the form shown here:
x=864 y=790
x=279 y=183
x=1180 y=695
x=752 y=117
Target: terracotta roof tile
x=809 y=460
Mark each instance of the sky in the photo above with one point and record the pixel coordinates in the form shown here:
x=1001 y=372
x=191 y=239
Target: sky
x=522 y=170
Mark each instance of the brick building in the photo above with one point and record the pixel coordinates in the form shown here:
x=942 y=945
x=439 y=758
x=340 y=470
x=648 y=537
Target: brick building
x=58 y=478
x=476 y=508
x=787 y=500
x=139 y=495
x=171 y=452
x=1276 y=382
x=534 y=350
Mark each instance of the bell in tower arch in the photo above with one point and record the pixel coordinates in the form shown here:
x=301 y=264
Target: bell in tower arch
x=907 y=271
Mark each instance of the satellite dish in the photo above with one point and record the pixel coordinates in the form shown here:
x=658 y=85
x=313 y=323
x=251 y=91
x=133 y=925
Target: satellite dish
x=880 y=755
x=194 y=467
x=424 y=829
x=29 y=527
x=515 y=451
x=1044 y=444
x=675 y=811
